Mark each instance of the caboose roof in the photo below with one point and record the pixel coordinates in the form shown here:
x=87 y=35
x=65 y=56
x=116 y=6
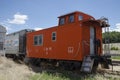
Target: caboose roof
x=75 y=12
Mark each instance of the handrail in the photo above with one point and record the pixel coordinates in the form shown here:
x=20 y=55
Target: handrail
x=83 y=46
x=77 y=50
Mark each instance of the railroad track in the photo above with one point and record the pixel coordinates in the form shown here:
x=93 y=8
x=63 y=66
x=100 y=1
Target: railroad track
x=116 y=62
x=113 y=54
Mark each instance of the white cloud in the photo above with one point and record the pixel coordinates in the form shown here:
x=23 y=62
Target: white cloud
x=18 y=19
x=117 y=28
x=37 y=28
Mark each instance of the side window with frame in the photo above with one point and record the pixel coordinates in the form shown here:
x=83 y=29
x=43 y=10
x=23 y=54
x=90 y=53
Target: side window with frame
x=53 y=36
x=35 y=40
x=62 y=21
x=80 y=17
x=71 y=18
x=38 y=40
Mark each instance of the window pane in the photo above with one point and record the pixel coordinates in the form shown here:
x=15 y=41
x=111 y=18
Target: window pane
x=54 y=36
x=35 y=40
x=62 y=21
x=40 y=40
x=80 y=17
x=71 y=18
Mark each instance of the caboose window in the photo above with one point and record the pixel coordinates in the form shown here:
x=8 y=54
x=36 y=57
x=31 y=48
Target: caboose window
x=62 y=21
x=53 y=36
x=38 y=40
x=35 y=40
x=71 y=18
x=80 y=17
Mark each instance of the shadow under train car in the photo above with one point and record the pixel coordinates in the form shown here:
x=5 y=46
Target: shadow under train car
x=15 y=44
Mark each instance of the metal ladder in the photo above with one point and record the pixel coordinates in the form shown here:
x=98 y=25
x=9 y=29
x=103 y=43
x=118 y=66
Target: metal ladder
x=107 y=41
x=105 y=24
x=87 y=64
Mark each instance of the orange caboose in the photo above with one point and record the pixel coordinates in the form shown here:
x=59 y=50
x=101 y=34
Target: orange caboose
x=72 y=39
x=76 y=36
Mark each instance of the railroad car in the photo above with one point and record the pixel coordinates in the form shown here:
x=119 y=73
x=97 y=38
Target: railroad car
x=77 y=36
x=15 y=43
x=2 y=39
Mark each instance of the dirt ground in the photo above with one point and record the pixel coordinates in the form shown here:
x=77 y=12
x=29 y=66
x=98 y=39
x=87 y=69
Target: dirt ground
x=10 y=70
x=116 y=68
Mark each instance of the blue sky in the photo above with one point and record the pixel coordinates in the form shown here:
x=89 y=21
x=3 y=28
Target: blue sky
x=35 y=14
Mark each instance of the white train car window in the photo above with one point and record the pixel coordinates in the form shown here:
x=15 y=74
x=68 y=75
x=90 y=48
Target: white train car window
x=62 y=21
x=80 y=17
x=38 y=40
x=71 y=18
x=53 y=36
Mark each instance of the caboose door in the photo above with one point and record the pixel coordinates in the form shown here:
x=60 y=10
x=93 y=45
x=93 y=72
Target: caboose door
x=92 y=38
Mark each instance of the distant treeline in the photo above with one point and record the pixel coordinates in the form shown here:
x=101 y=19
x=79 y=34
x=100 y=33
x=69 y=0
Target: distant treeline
x=114 y=37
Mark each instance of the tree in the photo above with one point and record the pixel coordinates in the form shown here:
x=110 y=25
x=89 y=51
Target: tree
x=114 y=37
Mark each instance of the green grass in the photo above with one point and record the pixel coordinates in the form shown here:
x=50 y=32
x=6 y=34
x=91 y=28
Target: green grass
x=116 y=57
x=54 y=76
x=65 y=75
x=46 y=76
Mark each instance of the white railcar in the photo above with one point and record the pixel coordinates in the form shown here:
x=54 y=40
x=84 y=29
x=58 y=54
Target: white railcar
x=15 y=43
x=2 y=39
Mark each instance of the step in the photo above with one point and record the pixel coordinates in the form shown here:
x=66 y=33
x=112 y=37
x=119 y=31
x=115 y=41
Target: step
x=87 y=64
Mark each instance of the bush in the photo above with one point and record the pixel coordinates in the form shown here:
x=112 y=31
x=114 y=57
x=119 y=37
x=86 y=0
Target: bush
x=114 y=48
